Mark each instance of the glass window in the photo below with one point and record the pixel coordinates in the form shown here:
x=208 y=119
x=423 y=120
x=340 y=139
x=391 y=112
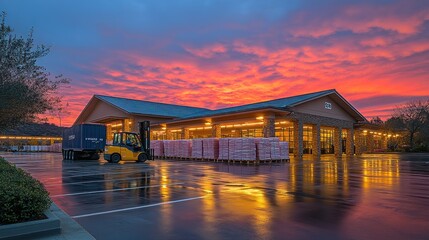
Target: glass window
x=307 y=138
x=326 y=140
x=285 y=134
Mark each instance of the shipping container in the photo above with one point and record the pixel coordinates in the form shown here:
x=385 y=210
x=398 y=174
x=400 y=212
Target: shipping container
x=84 y=141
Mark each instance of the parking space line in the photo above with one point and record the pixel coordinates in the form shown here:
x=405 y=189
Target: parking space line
x=98 y=174
x=139 y=207
x=112 y=190
x=94 y=181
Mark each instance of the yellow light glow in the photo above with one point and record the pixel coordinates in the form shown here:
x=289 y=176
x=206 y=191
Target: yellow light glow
x=260 y=118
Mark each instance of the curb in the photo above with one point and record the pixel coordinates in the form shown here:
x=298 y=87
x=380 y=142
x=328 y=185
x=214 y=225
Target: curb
x=51 y=225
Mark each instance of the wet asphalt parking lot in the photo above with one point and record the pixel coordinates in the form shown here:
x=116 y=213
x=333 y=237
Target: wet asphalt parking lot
x=384 y=196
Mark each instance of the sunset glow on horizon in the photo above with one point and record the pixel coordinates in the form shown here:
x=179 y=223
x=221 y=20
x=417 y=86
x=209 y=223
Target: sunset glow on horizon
x=216 y=54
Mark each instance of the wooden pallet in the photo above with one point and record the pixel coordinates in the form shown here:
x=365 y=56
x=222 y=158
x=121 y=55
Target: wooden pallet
x=228 y=161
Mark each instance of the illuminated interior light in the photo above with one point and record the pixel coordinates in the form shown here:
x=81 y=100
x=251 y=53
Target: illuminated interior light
x=260 y=118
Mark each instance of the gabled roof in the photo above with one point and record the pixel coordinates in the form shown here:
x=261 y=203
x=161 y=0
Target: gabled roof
x=281 y=103
x=179 y=112
x=141 y=107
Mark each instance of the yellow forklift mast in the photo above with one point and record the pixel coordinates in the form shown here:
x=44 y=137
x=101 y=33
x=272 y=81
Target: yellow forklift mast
x=128 y=146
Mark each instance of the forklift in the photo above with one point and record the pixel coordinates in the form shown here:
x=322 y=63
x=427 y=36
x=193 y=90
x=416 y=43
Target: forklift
x=128 y=146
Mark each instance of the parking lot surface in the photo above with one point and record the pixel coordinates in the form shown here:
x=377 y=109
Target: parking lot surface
x=381 y=196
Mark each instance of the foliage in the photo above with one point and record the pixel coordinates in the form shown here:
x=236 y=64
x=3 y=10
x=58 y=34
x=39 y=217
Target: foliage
x=414 y=117
x=26 y=89
x=377 y=121
x=34 y=129
x=22 y=197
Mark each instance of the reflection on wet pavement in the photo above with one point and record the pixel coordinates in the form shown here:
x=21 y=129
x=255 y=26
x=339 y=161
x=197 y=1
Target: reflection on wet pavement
x=369 y=197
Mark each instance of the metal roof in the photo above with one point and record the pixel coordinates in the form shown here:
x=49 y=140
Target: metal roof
x=150 y=108
x=277 y=103
x=179 y=112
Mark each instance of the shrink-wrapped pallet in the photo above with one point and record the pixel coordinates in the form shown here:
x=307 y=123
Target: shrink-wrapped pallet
x=158 y=148
x=233 y=146
x=197 y=148
x=184 y=148
x=210 y=148
x=284 y=150
x=224 y=148
x=249 y=149
x=168 y=148
x=263 y=148
x=275 y=150
x=176 y=147
x=242 y=149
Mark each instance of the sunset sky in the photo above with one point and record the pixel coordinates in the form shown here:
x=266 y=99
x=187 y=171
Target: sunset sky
x=223 y=53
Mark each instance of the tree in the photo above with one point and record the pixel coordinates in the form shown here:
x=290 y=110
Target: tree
x=26 y=89
x=415 y=118
x=377 y=121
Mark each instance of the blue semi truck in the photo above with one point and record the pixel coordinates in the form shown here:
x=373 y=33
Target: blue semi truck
x=84 y=141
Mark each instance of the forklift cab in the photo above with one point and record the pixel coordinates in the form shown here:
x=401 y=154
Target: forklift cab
x=128 y=140
x=127 y=146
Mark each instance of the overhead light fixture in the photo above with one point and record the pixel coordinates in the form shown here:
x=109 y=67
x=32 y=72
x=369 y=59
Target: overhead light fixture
x=260 y=118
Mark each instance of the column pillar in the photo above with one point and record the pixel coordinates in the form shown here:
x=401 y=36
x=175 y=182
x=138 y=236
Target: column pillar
x=216 y=131
x=269 y=127
x=370 y=142
x=298 y=128
x=316 y=140
x=359 y=137
x=384 y=142
x=185 y=133
x=350 y=142
x=337 y=142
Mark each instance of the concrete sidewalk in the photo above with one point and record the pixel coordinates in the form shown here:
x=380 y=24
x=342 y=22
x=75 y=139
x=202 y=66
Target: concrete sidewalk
x=70 y=229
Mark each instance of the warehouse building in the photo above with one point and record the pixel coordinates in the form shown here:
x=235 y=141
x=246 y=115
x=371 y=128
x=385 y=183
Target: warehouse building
x=314 y=123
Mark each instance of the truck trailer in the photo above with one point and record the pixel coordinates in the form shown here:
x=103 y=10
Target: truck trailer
x=84 y=141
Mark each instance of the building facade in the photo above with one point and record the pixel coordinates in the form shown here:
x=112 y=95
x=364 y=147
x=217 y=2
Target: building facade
x=314 y=123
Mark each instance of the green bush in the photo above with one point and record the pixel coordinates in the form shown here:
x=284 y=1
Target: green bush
x=22 y=198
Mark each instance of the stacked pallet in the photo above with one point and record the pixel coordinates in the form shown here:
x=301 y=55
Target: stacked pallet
x=284 y=150
x=197 y=148
x=158 y=148
x=242 y=149
x=183 y=149
x=169 y=148
x=224 y=148
x=275 y=148
x=263 y=149
x=210 y=148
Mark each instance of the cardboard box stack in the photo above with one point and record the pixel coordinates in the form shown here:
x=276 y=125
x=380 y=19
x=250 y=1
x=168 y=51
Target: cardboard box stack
x=183 y=148
x=249 y=149
x=197 y=148
x=242 y=149
x=284 y=150
x=263 y=148
x=168 y=148
x=224 y=148
x=233 y=145
x=275 y=148
x=158 y=147
x=210 y=148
